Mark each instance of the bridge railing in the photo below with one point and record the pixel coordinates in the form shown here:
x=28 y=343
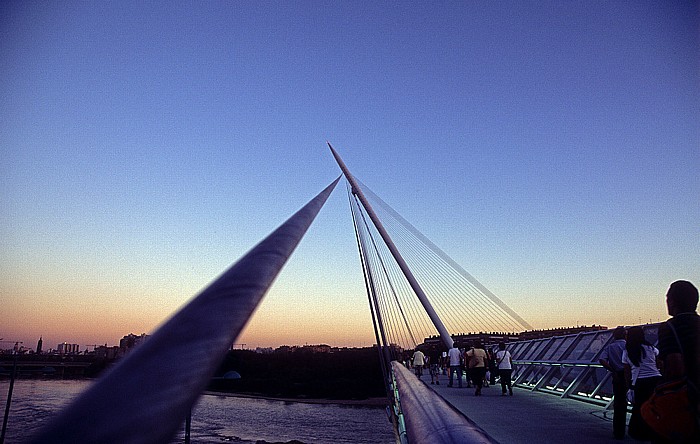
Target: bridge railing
x=568 y=365
x=430 y=419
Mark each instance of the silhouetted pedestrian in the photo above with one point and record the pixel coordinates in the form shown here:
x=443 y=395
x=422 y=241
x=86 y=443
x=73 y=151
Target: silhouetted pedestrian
x=611 y=359
x=642 y=375
x=493 y=367
x=434 y=360
x=679 y=343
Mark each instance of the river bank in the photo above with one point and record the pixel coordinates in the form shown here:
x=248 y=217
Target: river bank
x=369 y=402
x=353 y=374
x=221 y=417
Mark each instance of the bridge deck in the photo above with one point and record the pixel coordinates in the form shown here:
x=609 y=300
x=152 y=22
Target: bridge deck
x=528 y=417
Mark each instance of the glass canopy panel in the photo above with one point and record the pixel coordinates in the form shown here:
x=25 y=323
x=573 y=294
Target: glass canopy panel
x=515 y=349
x=522 y=351
x=599 y=341
x=542 y=349
x=593 y=378
x=568 y=340
x=525 y=375
x=570 y=376
x=587 y=379
x=517 y=371
x=535 y=349
x=553 y=378
x=582 y=342
x=538 y=373
x=556 y=342
x=606 y=390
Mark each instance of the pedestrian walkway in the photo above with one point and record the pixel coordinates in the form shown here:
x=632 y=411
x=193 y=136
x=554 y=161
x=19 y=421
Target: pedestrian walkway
x=528 y=417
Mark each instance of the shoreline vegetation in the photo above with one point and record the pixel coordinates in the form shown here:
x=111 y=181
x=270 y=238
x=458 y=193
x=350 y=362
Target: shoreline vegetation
x=348 y=376
x=337 y=376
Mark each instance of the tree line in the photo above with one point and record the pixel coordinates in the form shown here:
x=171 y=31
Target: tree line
x=348 y=374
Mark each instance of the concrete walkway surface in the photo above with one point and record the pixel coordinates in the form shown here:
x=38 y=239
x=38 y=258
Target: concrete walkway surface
x=530 y=417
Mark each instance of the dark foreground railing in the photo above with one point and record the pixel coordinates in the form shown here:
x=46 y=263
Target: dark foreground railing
x=146 y=398
x=430 y=419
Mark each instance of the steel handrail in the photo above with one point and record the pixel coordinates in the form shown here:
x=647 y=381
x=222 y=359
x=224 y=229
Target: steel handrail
x=429 y=418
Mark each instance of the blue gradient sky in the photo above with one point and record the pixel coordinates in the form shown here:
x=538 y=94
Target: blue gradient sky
x=551 y=148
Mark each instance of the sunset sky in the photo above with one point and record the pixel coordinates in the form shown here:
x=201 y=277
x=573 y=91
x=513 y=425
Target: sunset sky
x=551 y=148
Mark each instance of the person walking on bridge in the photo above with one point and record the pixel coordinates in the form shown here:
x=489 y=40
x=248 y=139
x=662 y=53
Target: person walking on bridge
x=477 y=366
x=611 y=359
x=418 y=362
x=455 y=357
x=505 y=369
x=434 y=363
x=642 y=375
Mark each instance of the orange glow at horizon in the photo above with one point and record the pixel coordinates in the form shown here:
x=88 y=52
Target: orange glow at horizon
x=293 y=313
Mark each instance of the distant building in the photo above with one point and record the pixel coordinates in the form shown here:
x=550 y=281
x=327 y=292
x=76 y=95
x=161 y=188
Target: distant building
x=493 y=338
x=322 y=348
x=108 y=353
x=467 y=339
x=560 y=331
x=130 y=341
x=396 y=349
x=68 y=349
x=39 y=345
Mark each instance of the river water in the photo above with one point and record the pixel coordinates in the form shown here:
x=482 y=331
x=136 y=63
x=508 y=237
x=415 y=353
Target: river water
x=216 y=419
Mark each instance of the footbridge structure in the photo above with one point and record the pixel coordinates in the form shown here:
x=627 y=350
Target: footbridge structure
x=414 y=291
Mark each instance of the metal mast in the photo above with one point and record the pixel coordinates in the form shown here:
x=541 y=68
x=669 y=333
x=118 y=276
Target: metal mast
x=444 y=335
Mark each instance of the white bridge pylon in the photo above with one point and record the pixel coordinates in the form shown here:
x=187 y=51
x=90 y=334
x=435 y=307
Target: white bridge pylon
x=444 y=334
x=458 y=303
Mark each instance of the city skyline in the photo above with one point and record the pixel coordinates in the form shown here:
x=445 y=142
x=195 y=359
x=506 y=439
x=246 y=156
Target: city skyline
x=551 y=149
x=78 y=348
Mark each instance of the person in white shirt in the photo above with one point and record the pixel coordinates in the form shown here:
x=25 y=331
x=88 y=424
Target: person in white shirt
x=505 y=368
x=642 y=375
x=455 y=357
x=418 y=362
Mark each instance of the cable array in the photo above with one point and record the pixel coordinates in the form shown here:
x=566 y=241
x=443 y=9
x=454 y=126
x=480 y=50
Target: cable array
x=462 y=303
